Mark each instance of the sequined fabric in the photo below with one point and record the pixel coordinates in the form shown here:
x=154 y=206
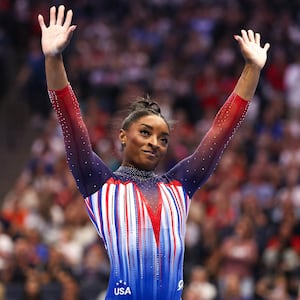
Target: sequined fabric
x=131 y=173
x=91 y=173
x=139 y=215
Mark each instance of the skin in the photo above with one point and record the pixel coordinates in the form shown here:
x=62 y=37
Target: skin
x=55 y=38
x=146 y=142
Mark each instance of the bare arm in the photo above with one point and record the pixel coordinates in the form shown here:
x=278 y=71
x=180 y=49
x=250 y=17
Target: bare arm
x=255 y=58
x=55 y=39
x=88 y=169
x=194 y=170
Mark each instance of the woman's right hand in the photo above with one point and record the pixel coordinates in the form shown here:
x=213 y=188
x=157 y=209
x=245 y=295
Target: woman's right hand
x=57 y=35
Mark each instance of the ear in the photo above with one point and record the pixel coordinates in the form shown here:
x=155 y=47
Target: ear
x=122 y=136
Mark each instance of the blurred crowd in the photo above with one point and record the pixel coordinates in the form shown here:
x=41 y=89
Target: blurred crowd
x=243 y=231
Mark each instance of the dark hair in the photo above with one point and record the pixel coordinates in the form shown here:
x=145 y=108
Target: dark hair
x=140 y=108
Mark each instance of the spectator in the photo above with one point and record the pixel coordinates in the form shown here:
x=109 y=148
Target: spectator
x=238 y=257
x=100 y=73
x=199 y=287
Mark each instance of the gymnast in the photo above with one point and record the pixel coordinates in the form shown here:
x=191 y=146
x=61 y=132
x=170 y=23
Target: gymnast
x=139 y=214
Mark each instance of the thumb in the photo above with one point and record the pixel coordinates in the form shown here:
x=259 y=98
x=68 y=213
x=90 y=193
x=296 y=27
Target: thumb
x=237 y=38
x=267 y=46
x=70 y=31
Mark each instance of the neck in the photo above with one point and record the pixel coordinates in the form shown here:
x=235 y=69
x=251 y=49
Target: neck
x=134 y=172
x=129 y=165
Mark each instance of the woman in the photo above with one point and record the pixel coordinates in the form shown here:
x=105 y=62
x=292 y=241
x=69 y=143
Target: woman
x=238 y=257
x=139 y=215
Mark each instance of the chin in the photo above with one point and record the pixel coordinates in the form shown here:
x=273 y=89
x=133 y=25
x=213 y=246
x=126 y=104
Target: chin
x=146 y=166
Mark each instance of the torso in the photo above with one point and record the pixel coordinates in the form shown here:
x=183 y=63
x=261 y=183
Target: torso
x=142 y=223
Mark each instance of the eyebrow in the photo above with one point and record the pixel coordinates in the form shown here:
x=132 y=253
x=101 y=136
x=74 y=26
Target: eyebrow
x=150 y=127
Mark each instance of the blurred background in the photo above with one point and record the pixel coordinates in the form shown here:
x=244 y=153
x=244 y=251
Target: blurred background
x=243 y=231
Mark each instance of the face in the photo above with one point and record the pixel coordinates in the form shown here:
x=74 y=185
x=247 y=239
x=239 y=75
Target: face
x=146 y=142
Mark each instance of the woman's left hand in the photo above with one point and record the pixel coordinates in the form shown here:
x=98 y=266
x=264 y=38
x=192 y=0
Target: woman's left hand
x=251 y=49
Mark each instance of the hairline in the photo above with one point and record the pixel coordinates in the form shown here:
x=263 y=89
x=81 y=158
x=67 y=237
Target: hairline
x=136 y=115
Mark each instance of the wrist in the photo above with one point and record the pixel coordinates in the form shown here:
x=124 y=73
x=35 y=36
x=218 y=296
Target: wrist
x=252 y=66
x=53 y=58
x=53 y=54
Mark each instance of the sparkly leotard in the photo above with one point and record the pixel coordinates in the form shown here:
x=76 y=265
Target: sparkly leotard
x=145 y=244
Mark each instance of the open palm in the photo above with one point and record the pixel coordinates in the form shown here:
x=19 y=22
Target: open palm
x=57 y=35
x=251 y=49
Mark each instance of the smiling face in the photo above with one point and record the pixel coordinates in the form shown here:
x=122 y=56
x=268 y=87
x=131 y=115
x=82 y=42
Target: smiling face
x=146 y=142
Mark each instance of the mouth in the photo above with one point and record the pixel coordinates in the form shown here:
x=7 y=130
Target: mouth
x=151 y=154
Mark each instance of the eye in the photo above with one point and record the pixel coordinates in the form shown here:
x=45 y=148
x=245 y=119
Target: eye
x=165 y=141
x=144 y=132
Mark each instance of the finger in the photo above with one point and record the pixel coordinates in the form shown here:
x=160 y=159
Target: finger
x=70 y=32
x=266 y=46
x=52 y=16
x=41 y=22
x=240 y=40
x=251 y=35
x=257 y=38
x=69 y=17
x=60 y=15
x=245 y=35
x=237 y=37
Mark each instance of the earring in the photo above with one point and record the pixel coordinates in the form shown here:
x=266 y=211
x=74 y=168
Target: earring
x=123 y=144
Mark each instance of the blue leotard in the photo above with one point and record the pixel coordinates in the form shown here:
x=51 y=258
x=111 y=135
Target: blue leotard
x=145 y=244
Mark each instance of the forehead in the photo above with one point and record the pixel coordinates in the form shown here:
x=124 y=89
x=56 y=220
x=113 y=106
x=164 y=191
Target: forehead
x=153 y=121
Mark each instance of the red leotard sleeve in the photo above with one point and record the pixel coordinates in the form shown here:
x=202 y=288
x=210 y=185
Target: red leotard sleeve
x=194 y=170
x=87 y=168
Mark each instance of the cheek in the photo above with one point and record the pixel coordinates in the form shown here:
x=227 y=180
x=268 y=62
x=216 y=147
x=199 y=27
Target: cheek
x=134 y=142
x=164 y=151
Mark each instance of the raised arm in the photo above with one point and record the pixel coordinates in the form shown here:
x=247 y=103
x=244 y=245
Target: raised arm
x=55 y=39
x=194 y=170
x=87 y=168
x=255 y=58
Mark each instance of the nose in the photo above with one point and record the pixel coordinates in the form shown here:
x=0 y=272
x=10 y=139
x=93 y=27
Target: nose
x=153 y=141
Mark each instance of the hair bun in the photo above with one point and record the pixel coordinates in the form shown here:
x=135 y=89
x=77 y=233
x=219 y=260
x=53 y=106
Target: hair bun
x=140 y=108
x=145 y=104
